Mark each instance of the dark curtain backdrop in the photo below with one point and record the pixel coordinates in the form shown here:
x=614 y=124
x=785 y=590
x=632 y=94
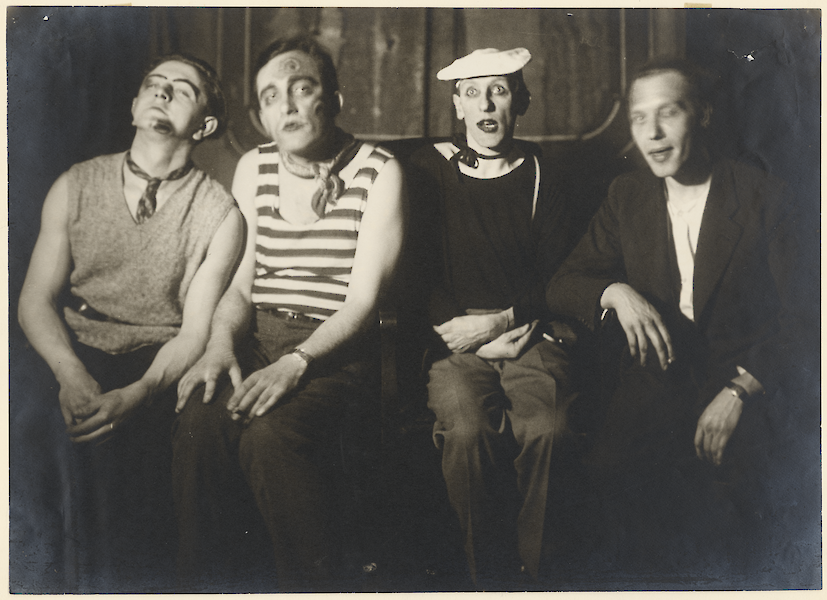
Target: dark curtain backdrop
x=72 y=73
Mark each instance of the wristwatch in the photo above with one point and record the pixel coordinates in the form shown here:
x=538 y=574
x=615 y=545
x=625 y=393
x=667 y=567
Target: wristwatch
x=738 y=391
x=305 y=357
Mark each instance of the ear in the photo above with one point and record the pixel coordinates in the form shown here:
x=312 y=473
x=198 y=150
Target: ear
x=340 y=99
x=132 y=109
x=207 y=128
x=458 y=107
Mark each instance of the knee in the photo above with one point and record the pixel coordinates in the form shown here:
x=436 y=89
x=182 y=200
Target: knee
x=199 y=426
x=267 y=443
x=467 y=429
x=542 y=429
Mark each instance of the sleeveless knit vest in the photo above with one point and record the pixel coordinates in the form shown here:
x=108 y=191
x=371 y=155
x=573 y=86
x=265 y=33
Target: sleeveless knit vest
x=138 y=274
x=306 y=268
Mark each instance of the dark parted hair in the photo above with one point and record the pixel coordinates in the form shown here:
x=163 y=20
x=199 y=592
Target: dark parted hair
x=317 y=52
x=519 y=92
x=216 y=104
x=700 y=83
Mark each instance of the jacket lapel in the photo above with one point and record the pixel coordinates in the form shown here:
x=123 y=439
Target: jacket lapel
x=651 y=242
x=717 y=239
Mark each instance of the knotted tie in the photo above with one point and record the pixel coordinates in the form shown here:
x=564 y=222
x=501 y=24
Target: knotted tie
x=326 y=173
x=468 y=155
x=147 y=203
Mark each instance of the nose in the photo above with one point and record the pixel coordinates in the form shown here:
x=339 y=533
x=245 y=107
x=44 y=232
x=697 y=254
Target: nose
x=486 y=102
x=655 y=130
x=288 y=106
x=164 y=92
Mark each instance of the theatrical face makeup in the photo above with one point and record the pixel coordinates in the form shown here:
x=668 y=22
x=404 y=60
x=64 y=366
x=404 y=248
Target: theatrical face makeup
x=292 y=101
x=485 y=104
x=171 y=101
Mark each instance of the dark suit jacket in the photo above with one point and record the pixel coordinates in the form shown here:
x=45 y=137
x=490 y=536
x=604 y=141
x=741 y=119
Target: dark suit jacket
x=748 y=304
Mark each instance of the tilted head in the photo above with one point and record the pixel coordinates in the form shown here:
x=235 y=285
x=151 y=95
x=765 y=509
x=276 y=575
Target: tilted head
x=180 y=95
x=489 y=94
x=669 y=112
x=297 y=93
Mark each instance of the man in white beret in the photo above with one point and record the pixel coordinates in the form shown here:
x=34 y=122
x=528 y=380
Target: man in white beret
x=497 y=384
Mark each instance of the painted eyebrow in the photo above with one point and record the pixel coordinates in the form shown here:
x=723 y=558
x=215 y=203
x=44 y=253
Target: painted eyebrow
x=194 y=87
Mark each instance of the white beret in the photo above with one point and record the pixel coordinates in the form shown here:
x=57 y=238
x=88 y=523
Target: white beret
x=486 y=62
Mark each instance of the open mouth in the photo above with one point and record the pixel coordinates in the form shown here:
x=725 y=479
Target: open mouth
x=162 y=126
x=294 y=126
x=661 y=155
x=488 y=125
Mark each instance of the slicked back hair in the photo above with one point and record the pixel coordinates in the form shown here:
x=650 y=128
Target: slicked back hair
x=216 y=104
x=699 y=82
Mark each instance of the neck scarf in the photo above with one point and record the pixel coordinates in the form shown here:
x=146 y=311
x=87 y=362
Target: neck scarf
x=468 y=155
x=326 y=173
x=148 y=201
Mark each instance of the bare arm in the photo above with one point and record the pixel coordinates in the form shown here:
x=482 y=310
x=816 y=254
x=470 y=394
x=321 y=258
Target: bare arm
x=377 y=251
x=38 y=312
x=179 y=353
x=232 y=316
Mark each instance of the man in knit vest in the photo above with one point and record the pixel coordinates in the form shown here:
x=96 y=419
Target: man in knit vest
x=497 y=385
x=289 y=345
x=146 y=243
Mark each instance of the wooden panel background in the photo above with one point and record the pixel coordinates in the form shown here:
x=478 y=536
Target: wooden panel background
x=387 y=60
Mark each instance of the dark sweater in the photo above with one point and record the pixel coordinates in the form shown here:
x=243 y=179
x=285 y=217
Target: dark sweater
x=482 y=248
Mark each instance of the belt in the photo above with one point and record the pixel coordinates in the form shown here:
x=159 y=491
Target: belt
x=81 y=306
x=289 y=315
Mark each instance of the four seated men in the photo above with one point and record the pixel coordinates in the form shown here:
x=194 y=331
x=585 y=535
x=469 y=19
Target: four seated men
x=695 y=256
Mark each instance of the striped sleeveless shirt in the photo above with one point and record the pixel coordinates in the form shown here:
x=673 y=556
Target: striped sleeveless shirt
x=306 y=268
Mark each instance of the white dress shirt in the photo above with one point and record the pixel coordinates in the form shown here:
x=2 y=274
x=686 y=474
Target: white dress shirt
x=686 y=214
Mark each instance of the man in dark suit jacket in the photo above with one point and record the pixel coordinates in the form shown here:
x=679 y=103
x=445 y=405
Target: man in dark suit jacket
x=696 y=258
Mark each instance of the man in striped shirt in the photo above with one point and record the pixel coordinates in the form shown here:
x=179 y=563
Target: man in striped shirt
x=324 y=216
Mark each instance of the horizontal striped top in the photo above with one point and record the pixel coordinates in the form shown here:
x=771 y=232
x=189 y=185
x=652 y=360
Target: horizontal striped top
x=306 y=268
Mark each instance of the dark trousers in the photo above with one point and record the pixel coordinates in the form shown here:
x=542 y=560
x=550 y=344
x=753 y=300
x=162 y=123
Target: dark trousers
x=666 y=515
x=496 y=424
x=120 y=495
x=276 y=475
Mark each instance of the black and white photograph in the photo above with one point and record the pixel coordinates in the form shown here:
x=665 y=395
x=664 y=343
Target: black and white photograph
x=413 y=299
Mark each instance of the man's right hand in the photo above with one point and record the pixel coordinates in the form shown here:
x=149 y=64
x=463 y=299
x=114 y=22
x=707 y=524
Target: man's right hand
x=208 y=370
x=641 y=323
x=79 y=395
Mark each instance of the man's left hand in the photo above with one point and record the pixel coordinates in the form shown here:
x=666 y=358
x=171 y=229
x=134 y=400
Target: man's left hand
x=716 y=425
x=468 y=332
x=261 y=390
x=114 y=409
x=508 y=345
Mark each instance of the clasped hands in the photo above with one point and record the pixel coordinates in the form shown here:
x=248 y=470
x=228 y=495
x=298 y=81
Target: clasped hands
x=485 y=333
x=254 y=396
x=645 y=330
x=90 y=414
